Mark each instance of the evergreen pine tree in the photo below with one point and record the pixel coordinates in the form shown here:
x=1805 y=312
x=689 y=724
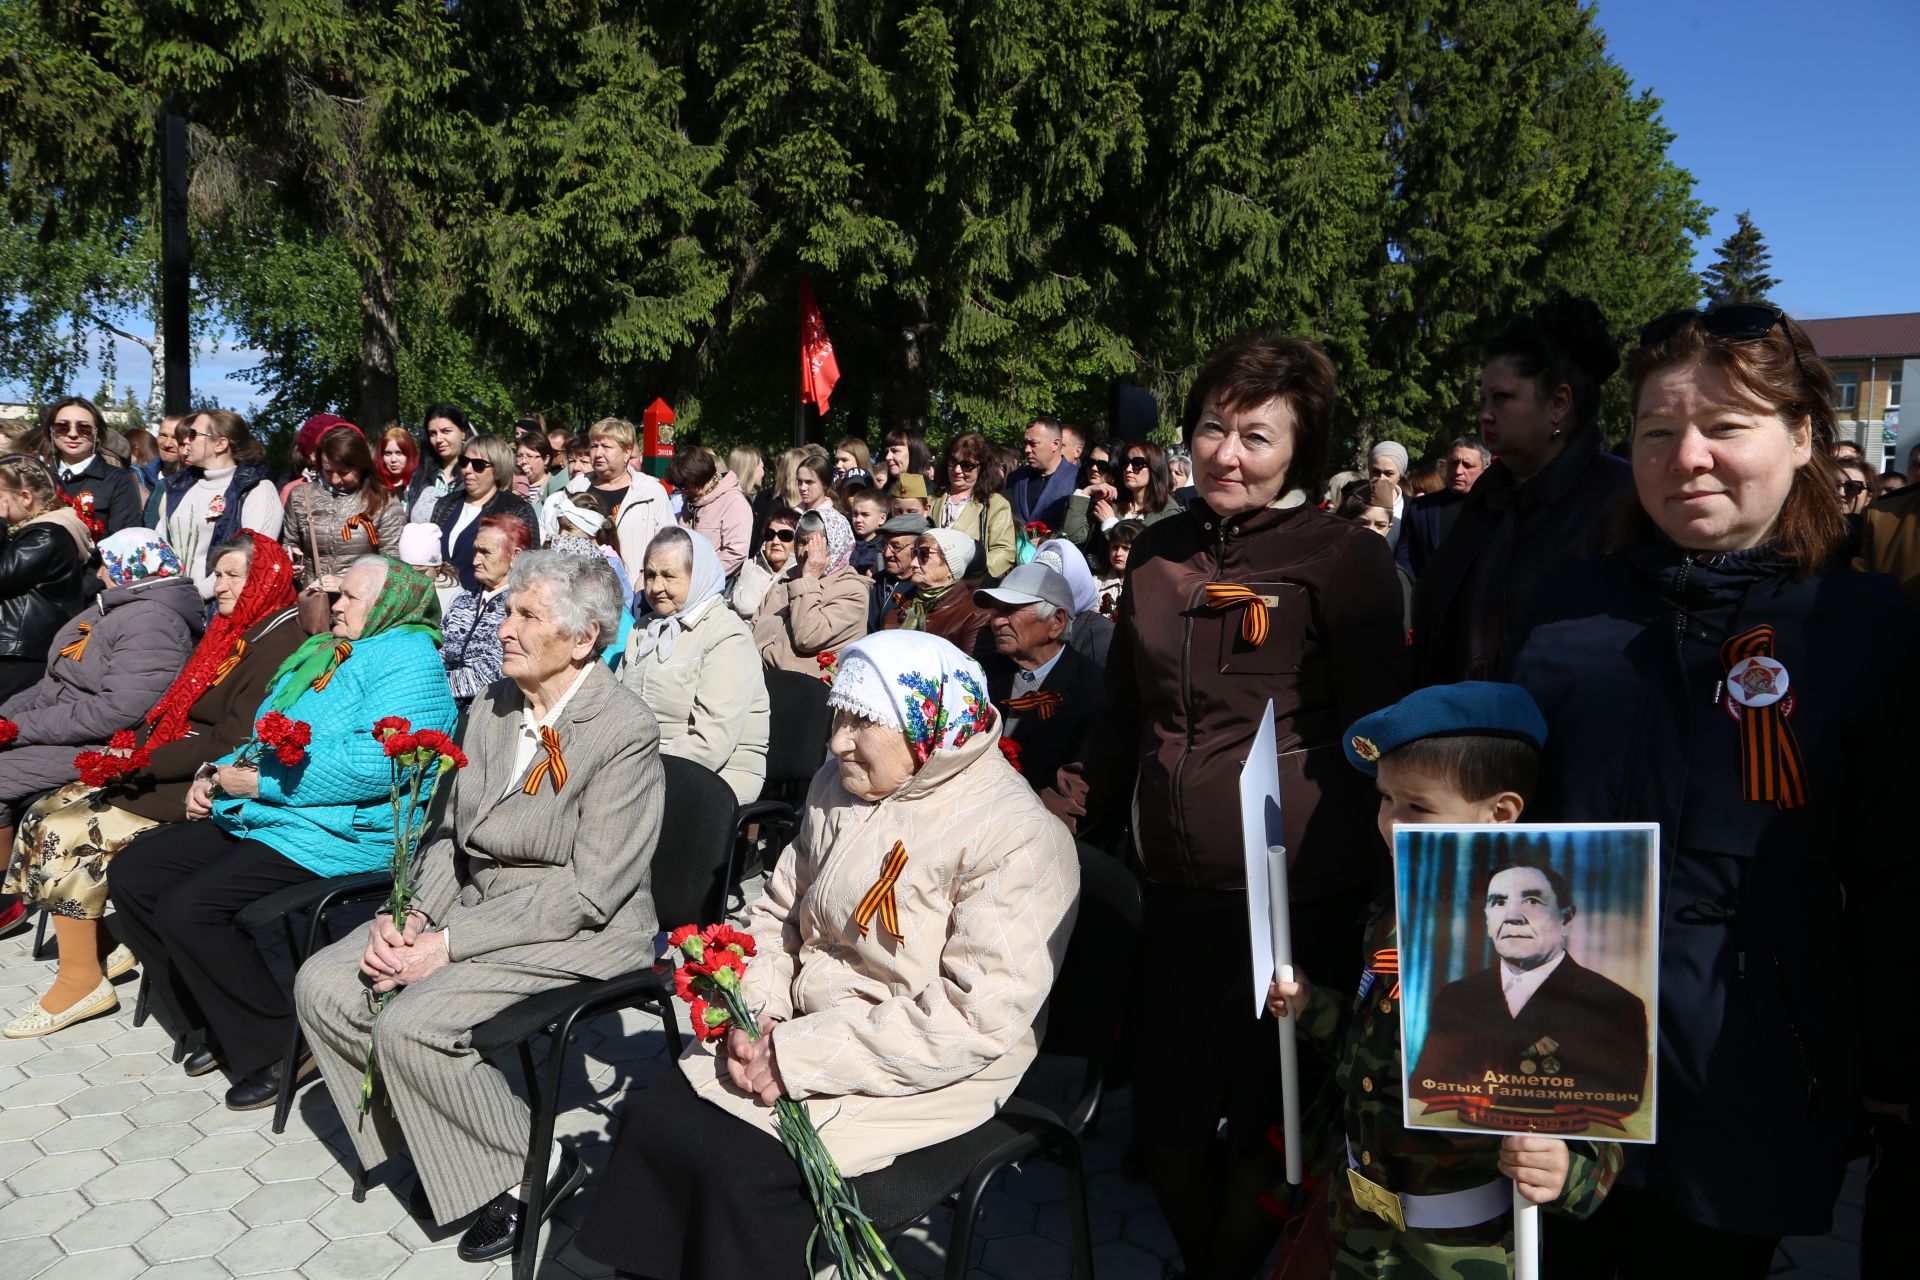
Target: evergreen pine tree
x=1739 y=274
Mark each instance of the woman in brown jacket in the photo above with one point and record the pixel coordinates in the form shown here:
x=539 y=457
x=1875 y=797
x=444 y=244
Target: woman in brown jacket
x=1249 y=595
x=819 y=608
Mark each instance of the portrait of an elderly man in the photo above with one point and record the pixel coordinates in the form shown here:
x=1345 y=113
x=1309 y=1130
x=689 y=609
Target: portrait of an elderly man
x=536 y=876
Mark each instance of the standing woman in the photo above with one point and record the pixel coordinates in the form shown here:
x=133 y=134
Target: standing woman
x=346 y=514
x=1719 y=674
x=471 y=630
x=223 y=489
x=813 y=484
x=44 y=551
x=1145 y=494
x=1549 y=499
x=714 y=506
x=74 y=427
x=1250 y=594
x=974 y=505
x=447 y=433
x=487 y=464
x=399 y=459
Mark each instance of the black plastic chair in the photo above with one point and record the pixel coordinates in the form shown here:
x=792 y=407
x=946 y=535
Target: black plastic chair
x=1083 y=1021
x=798 y=724
x=689 y=887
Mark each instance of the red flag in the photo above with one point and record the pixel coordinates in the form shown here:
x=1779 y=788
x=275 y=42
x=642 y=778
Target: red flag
x=819 y=371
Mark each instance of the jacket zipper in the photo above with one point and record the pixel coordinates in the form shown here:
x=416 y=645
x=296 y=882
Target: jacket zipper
x=1186 y=703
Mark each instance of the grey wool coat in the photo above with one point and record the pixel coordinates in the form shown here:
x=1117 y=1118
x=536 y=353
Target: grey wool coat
x=137 y=639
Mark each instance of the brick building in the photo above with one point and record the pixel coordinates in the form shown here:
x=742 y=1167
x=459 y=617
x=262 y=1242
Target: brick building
x=1871 y=357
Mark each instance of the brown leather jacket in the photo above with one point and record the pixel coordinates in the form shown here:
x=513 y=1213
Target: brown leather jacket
x=954 y=617
x=1186 y=690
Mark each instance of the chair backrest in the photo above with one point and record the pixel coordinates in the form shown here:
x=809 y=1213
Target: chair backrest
x=798 y=724
x=696 y=835
x=1090 y=995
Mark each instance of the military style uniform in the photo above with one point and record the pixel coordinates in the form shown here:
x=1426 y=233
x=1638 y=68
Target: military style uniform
x=1387 y=1160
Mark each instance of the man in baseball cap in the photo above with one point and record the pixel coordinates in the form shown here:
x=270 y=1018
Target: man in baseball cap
x=1048 y=693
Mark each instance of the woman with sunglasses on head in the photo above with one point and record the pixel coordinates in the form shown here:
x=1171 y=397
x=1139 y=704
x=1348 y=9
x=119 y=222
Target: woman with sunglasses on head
x=109 y=494
x=1551 y=497
x=974 y=505
x=223 y=488
x=1720 y=674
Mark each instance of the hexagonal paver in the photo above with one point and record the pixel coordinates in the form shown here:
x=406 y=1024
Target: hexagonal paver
x=148 y=1067
x=279 y=1247
x=31 y=1257
x=219 y=1119
x=1124 y=1262
x=343 y=1219
x=292 y=1162
x=142 y=1181
x=1030 y=1258
x=107 y=1099
x=365 y=1258
x=191 y=1269
x=68 y=1060
x=194 y=1235
x=214 y=1189
x=284 y=1202
x=155 y=1143
x=101 y=1264
x=110 y=1224
x=134 y=1040
x=59 y=1173
x=31 y=1216
x=168 y=1108
x=1004 y=1215
x=1104 y=1225
x=222 y=1151
x=88 y=1133
x=20 y=1123
x=40 y=1091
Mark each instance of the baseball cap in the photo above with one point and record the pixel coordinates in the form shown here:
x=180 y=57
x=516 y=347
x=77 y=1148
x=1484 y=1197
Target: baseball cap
x=1029 y=584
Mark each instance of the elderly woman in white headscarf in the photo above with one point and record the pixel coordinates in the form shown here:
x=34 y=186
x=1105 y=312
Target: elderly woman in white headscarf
x=903 y=949
x=692 y=661
x=820 y=607
x=1388 y=461
x=1090 y=632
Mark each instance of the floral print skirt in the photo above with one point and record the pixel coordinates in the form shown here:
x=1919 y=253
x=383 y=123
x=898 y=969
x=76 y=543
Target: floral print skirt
x=62 y=849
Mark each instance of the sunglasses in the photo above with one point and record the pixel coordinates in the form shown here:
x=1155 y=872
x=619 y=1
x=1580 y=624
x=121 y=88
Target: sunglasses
x=73 y=428
x=185 y=434
x=1135 y=464
x=1852 y=488
x=923 y=553
x=473 y=464
x=781 y=535
x=1734 y=321
x=965 y=464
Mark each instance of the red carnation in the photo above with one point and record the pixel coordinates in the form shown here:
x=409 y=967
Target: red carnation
x=683 y=984
x=826 y=657
x=433 y=740
x=289 y=754
x=681 y=934
x=724 y=936
x=719 y=958
x=125 y=740
x=399 y=744
x=270 y=726
x=698 y=1013
x=1037 y=531
x=1011 y=750
x=8 y=731
x=299 y=735
x=386 y=725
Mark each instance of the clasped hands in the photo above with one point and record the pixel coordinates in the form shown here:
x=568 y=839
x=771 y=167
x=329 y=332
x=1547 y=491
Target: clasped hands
x=396 y=957
x=227 y=780
x=750 y=1063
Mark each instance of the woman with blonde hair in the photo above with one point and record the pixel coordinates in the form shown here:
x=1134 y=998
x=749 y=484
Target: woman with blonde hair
x=786 y=474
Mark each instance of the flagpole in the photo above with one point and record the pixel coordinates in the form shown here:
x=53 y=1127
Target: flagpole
x=800 y=376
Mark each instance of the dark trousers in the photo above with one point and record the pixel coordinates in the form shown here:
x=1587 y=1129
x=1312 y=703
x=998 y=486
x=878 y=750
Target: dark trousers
x=177 y=890
x=1636 y=1234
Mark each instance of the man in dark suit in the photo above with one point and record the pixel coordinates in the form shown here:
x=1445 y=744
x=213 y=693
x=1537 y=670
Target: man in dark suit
x=1040 y=489
x=1048 y=693
x=1536 y=1020
x=1430 y=516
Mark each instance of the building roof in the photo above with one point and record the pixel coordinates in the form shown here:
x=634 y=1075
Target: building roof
x=1858 y=337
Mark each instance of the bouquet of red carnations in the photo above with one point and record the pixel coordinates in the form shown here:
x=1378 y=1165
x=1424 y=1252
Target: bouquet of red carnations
x=287 y=739
x=713 y=961
x=417 y=761
x=123 y=755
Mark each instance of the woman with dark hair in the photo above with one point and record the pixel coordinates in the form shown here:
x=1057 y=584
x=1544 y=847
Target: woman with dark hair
x=43 y=557
x=714 y=508
x=399 y=459
x=223 y=489
x=1550 y=497
x=1720 y=674
x=1251 y=594
x=1144 y=493
x=487 y=465
x=109 y=496
x=346 y=515
x=471 y=630
x=975 y=506
x=447 y=434
x=902 y=453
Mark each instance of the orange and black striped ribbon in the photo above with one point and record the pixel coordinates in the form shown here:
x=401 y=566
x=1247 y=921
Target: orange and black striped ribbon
x=1222 y=596
x=1771 y=767
x=1045 y=701
x=1386 y=963
x=880 y=897
x=341 y=652
x=360 y=522
x=79 y=646
x=232 y=660
x=554 y=766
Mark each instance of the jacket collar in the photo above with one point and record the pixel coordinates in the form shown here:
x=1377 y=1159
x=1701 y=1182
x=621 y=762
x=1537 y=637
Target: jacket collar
x=1215 y=527
x=1554 y=480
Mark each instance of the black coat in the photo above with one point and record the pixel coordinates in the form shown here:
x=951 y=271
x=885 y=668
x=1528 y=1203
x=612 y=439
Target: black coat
x=41 y=571
x=459 y=550
x=1784 y=931
x=116 y=495
x=1050 y=741
x=1428 y=519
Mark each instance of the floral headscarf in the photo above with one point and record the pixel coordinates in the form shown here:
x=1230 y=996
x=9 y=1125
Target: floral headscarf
x=407 y=602
x=706 y=580
x=133 y=554
x=917 y=682
x=839 y=539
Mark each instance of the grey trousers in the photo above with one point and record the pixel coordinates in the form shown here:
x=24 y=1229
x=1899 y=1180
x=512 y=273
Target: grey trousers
x=435 y=1098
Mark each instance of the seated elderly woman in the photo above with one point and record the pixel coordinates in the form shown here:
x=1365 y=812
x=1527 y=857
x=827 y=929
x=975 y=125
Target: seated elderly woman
x=942 y=600
x=903 y=1017
x=68 y=838
x=256 y=825
x=537 y=877
x=471 y=630
x=692 y=661
x=820 y=606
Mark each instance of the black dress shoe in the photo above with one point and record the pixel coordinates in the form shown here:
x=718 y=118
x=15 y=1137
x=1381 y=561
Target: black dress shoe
x=491 y=1235
x=262 y=1088
x=200 y=1061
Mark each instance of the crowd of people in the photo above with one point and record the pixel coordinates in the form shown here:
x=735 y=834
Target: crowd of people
x=1075 y=642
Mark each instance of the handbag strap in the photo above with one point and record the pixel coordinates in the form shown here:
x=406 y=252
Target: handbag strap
x=313 y=547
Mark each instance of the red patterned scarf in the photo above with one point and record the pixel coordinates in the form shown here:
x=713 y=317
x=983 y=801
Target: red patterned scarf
x=269 y=589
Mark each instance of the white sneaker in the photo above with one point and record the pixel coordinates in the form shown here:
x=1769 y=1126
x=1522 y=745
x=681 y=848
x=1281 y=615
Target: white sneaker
x=38 y=1022
x=118 y=961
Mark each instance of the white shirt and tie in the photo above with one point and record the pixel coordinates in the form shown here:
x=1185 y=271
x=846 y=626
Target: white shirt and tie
x=70 y=471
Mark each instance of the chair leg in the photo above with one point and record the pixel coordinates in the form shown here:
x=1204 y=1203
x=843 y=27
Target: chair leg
x=140 y=999
x=40 y=936
x=283 y=1104
x=1076 y=1174
x=546 y=1107
x=966 y=1209
x=359 y=1176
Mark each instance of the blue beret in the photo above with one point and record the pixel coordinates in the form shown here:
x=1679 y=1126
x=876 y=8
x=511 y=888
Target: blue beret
x=1471 y=707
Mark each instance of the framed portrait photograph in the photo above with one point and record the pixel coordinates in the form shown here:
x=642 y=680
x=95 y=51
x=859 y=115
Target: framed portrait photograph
x=1529 y=972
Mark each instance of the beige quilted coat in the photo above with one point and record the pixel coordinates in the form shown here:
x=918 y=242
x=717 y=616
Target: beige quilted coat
x=896 y=1045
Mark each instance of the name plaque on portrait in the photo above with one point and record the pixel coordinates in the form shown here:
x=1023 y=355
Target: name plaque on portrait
x=1529 y=971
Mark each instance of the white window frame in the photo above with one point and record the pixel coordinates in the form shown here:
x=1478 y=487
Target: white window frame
x=1893 y=387
x=1846 y=391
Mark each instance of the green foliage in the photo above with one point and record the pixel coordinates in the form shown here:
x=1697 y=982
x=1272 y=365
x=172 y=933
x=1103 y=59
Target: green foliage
x=1739 y=270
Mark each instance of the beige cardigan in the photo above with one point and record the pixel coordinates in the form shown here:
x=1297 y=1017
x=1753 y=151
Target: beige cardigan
x=803 y=616
x=710 y=697
x=896 y=1045
x=1000 y=545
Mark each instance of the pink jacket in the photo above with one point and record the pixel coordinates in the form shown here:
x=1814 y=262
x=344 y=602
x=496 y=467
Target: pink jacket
x=725 y=518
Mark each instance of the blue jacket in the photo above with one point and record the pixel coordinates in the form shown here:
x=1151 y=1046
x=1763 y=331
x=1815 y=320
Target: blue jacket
x=1044 y=498
x=331 y=813
x=1783 y=935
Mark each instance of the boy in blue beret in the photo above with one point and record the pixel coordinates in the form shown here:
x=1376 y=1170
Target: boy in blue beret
x=1416 y=1204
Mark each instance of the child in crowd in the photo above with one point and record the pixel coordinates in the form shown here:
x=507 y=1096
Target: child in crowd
x=1461 y=753
x=910 y=497
x=866 y=512
x=1119 y=547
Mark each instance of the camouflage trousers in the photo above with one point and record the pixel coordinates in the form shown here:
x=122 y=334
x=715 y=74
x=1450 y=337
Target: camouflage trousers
x=1413 y=1254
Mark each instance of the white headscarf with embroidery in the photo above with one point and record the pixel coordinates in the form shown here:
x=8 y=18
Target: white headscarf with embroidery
x=919 y=683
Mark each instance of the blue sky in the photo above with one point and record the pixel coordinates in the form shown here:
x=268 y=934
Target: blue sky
x=1805 y=114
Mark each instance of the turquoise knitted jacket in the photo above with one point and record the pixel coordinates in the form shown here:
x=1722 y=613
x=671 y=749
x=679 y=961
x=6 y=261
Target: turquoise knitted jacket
x=331 y=812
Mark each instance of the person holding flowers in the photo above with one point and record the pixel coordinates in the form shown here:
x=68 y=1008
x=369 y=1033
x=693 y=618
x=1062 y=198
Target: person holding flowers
x=280 y=812
x=536 y=876
x=68 y=838
x=901 y=955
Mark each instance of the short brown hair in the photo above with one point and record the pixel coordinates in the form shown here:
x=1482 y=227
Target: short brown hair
x=692 y=469
x=1782 y=371
x=1264 y=364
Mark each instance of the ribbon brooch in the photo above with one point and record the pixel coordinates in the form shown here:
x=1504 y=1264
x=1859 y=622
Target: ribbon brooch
x=880 y=897
x=341 y=652
x=361 y=522
x=232 y=660
x=1222 y=596
x=1760 y=699
x=1045 y=701
x=1386 y=964
x=554 y=766
x=79 y=646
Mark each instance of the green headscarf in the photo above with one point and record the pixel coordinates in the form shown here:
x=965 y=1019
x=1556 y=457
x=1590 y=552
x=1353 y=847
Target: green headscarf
x=407 y=602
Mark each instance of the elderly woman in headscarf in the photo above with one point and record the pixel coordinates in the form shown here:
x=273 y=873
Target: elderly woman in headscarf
x=942 y=601
x=257 y=824
x=821 y=606
x=692 y=661
x=68 y=838
x=1090 y=632
x=903 y=950
x=1388 y=461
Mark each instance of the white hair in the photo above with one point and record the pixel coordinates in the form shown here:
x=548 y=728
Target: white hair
x=584 y=595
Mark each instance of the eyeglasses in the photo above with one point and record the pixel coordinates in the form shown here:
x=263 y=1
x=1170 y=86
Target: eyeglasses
x=473 y=464
x=184 y=434
x=781 y=535
x=73 y=428
x=923 y=553
x=1738 y=321
x=1135 y=463
x=964 y=464
x=1852 y=488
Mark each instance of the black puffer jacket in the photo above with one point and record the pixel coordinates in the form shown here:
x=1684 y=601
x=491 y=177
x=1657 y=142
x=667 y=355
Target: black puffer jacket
x=41 y=570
